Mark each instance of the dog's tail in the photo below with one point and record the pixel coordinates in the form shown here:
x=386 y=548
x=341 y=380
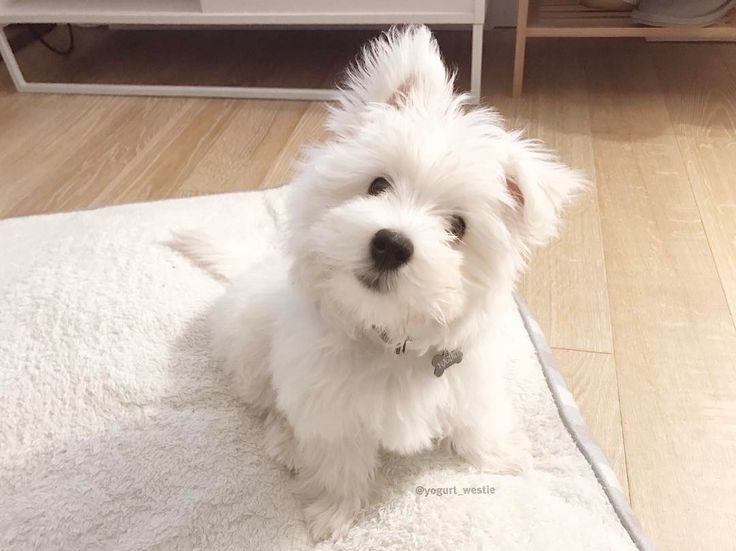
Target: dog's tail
x=224 y=261
x=227 y=257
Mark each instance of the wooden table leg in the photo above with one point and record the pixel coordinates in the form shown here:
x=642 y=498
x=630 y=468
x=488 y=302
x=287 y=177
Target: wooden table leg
x=521 y=23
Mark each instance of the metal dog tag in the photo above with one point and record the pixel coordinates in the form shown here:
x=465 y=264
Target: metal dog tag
x=444 y=359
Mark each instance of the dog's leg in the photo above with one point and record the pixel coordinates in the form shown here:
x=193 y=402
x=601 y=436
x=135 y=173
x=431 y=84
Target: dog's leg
x=334 y=481
x=500 y=453
x=240 y=329
x=492 y=441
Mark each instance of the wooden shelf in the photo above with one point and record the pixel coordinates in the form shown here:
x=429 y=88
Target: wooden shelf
x=570 y=19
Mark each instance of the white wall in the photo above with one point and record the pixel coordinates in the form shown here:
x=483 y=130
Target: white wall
x=501 y=13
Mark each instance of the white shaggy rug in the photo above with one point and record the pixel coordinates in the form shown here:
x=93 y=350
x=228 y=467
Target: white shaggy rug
x=117 y=432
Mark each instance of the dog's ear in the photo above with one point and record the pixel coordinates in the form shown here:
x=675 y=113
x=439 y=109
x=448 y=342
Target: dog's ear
x=403 y=65
x=538 y=187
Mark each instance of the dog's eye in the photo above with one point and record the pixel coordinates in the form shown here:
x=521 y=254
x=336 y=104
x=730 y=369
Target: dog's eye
x=458 y=227
x=378 y=186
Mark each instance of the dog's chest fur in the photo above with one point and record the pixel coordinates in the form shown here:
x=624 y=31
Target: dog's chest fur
x=335 y=386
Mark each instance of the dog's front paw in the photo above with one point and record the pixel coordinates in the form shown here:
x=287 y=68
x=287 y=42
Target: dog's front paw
x=334 y=480
x=507 y=454
x=279 y=441
x=328 y=519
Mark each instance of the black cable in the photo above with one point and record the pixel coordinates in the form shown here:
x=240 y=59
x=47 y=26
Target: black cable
x=69 y=49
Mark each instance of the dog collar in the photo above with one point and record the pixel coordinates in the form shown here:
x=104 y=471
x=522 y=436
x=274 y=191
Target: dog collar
x=440 y=361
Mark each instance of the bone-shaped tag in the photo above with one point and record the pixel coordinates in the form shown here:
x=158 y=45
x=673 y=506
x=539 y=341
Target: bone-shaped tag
x=444 y=359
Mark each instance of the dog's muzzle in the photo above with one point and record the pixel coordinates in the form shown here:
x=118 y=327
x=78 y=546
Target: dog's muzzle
x=389 y=250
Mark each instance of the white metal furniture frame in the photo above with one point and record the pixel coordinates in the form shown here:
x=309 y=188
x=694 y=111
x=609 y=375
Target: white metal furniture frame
x=232 y=12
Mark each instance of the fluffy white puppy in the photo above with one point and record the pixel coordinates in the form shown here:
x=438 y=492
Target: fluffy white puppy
x=407 y=230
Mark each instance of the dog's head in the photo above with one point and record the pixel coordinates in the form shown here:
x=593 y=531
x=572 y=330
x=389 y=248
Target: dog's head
x=419 y=209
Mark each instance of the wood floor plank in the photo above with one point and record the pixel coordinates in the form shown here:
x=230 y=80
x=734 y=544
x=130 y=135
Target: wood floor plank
x=158 y=173
x=703 y=115
x=674 y=340
x=592 y=380
x=567 y=280
x=310 y=129
x=245 y=152
x=116 y=145
x=565 y=284
x=36 y=170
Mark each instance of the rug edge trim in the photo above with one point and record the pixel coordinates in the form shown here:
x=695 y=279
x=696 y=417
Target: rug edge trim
x=575 y=425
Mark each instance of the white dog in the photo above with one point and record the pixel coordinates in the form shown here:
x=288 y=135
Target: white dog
x=408 y=228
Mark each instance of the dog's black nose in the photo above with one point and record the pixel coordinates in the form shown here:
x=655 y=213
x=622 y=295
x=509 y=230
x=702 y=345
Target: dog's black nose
x=390 y=249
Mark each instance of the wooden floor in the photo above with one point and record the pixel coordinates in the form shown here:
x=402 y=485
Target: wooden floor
x=638 y=297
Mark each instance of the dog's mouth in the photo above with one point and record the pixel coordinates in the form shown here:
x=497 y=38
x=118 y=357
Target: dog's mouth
x=377 y=281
